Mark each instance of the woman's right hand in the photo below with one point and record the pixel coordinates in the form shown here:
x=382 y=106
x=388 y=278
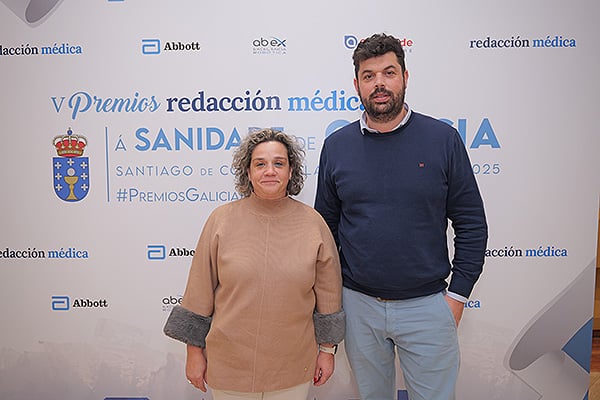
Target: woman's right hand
x=195 y=367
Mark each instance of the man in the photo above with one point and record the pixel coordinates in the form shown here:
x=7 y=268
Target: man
x=388 y=184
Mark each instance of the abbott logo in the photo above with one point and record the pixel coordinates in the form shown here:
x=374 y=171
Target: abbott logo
x=60 y=303
x=157 y=252
x=150 y=46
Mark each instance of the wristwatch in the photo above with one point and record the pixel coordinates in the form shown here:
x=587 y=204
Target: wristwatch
x=329 y=350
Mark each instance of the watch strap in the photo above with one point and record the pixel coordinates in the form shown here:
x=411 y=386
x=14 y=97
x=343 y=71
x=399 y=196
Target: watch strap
x=329 y=350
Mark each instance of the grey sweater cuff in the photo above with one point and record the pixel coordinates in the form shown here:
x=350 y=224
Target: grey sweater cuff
x=187 y=327
x=330 y=328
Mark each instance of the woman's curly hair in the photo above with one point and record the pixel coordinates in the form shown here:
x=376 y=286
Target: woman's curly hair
x=243 y=156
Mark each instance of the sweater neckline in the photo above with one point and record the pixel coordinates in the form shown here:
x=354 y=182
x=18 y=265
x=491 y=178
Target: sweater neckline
x=269 y=208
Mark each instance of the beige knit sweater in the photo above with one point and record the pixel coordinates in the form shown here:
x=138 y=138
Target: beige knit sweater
x=260 y=270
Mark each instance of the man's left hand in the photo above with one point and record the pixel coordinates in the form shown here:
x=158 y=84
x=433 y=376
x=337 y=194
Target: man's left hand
x=456 y=307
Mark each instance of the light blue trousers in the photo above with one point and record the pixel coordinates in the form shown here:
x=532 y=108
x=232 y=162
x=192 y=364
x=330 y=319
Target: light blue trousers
x=423 y=333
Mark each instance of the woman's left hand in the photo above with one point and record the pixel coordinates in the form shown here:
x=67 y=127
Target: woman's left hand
x=324 y=369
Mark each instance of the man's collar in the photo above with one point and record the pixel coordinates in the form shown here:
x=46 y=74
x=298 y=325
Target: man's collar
x=363 y=121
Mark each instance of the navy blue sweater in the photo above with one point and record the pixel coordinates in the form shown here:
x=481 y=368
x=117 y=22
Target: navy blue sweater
x=387 y=199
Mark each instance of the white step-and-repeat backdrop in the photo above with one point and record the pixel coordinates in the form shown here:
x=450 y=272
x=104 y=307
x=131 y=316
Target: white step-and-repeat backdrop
x=97 y=239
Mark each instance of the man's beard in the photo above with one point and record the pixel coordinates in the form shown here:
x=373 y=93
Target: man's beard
x=384 y=112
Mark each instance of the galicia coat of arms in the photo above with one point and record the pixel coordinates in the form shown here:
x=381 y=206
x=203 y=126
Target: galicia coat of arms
x=71 y=169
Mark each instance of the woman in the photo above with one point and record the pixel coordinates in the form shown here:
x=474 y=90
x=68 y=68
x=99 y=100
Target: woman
x=264 y=287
